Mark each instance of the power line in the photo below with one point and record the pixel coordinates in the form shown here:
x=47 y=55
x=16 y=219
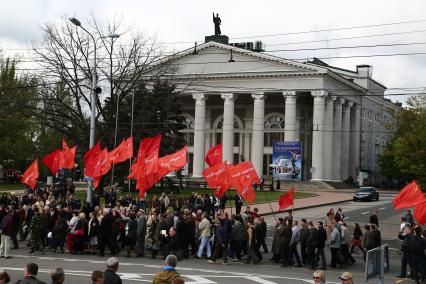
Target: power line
x=332 y=29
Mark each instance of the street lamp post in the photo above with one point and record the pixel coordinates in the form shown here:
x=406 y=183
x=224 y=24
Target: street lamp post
x=95 y=91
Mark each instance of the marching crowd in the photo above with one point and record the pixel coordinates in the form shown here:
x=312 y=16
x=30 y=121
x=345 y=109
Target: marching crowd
x=197 y=226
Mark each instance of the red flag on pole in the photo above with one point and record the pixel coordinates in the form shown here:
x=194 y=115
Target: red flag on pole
x=94 y=151
x=242 y=176
x=217 y=178
x=286 y=200
x=122 y=152
x=172 y=162
x=30 y=175
x=147 y=165
x=53 y=160
x=68 y=158
x=420 y=212
x=409 y=196
x=214 y=155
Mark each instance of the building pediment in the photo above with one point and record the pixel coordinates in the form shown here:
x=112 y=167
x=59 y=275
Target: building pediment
x=215 y=60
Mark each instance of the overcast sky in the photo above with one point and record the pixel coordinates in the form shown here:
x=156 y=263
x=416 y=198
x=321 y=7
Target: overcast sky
x=189 y=21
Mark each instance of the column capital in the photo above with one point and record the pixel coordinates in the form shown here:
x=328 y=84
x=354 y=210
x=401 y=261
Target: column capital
x=199 y=96
x=348 y=104
x=258 y=96
x=227 y=96
x=331 y=99
x=289 y=94
x=319 y=93
x=340 y=101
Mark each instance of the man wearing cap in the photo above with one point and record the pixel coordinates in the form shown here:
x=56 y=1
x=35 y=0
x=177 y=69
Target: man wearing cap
x=111 y=276
x=346 y=278
x=169 y=273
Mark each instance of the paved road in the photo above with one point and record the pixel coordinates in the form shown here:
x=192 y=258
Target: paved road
x=78 y=268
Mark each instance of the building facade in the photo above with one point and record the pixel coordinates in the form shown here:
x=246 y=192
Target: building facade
x=247 y=100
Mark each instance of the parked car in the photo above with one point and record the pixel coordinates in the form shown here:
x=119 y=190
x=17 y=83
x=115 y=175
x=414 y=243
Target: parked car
x=366 y=194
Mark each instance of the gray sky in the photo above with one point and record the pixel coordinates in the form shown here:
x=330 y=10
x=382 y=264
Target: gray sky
x=189 y=21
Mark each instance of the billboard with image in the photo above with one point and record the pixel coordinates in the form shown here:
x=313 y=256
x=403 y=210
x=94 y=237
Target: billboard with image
x=287 y=160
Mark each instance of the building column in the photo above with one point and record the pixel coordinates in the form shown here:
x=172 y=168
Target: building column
x=337 y=139
x=318 y=135
x=228 y=128
x=328 y=138
x=199 y=134
x=346 y=131
x=291 y=129
x=258 y=131
x=355 y=140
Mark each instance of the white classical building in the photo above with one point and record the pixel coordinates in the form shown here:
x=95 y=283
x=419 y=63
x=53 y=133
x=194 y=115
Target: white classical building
x=246 y=100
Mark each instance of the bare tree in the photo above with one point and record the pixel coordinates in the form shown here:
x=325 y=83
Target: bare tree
x=66 y=54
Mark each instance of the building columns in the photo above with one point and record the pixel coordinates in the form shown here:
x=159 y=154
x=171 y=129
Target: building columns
x=228 y=128
x=346 y=130
x=355 y=140
x=337 y=139
x=328 y=138
x=199 y=134
x=258 y=132
x=318 y=135
x=291 y=131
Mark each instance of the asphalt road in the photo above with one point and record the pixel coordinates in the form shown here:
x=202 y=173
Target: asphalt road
x=132 y=270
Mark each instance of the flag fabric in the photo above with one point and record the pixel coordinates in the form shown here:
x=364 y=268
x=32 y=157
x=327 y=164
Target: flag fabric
x=241 y=177
x=53 y=161
x=286 y=199
x=243 y=174
x=147 y=163
x=122 y=152
x=172 y=162
x=98 y=165
x=420 y=212
x=214 y=155
x=94 y=151
x=217 y=178
x=409 y=196
x=67 y=160
x=30 y=175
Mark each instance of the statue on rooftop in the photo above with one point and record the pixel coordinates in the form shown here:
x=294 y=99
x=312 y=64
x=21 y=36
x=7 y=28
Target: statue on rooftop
x=217 y=21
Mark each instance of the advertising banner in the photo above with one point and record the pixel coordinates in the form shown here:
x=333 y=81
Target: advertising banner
x=287 y=161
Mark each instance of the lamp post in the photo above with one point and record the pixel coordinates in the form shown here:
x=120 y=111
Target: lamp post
x=95 y=91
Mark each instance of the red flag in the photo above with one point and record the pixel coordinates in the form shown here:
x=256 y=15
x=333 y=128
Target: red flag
x=420 y=212
x=214 y=155
x=286 y=200
x=172 y=162
x=97 y=165
x=133 y=171
x=94 y=151
x=242 y=176
x=147 y=164
x=409 y=196
x=53 y=160
x=149 y=145
x=67 y=162
x=30 y=175
x=217 y=178
x=123 y=152
x=247 y=192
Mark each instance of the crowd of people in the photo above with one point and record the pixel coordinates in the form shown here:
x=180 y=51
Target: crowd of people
x=198 y=226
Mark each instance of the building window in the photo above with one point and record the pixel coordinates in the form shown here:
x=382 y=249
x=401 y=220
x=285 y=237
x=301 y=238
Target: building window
x=189 y=135
x=218 y=124
x=274 y=129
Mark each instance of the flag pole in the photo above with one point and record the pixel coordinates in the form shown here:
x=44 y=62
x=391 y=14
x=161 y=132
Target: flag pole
x=131 y=135
x=270 y=206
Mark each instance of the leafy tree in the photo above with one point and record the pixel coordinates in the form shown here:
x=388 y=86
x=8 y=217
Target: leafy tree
x=405 y=157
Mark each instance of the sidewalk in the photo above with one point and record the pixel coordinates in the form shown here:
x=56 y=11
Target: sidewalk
x=322 y=198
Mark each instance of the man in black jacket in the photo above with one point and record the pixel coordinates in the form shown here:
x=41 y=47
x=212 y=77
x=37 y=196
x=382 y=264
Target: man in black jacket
x=284 y=242
x=322 y=238
x=111 y=276
x=304 y=234
x=417 y=246
x=312 y=244
x=105 y=231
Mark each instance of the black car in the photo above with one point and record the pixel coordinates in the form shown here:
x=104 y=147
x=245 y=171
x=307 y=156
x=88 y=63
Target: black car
x=366 y=194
